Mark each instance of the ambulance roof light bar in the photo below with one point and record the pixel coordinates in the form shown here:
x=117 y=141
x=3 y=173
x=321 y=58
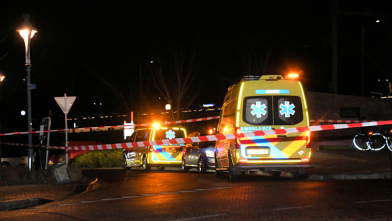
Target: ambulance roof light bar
x=292 y=75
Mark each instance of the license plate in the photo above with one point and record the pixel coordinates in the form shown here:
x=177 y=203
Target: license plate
x=258 y=151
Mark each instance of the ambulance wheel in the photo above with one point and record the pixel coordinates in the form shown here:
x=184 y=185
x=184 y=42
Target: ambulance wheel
x=160 y=168
x=184 y=168
x=301 y=174
x=124 y=164
x=234 y=173
x=200 y=166
x=217 y=172
x=275 y=174
x=146 y=166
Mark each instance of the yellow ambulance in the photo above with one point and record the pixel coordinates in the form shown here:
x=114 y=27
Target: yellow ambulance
x=159 y=155
x=257 y=103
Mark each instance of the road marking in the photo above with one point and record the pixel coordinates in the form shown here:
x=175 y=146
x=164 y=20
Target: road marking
x=117 y=198
x=200 y=217
x=88 y=201
x=141 y=195
x=127 y=197
x=374 y=201
x=148 y=194
x=67 y=204
x=296 y=207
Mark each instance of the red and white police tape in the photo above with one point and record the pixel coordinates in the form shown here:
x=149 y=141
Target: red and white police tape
x=340 y=121
x=216 y=137
x=163 y=123
x=118 y=126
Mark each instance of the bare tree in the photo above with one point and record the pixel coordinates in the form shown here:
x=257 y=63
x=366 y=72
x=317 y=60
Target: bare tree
x=174 y=77
x=257 y=62
x=258 y=58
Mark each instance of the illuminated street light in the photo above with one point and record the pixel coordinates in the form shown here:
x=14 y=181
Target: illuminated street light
x=167 y=107
x=27 y=32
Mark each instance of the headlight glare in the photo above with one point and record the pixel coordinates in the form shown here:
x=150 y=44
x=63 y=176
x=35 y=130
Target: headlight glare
x=209 y=153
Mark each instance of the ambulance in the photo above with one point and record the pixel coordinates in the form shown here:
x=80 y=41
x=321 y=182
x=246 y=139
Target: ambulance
x=257 y=103
x=160 y=155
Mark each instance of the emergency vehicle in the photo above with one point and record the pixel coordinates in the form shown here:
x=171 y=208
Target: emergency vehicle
x=160 y=156
x=257 y=103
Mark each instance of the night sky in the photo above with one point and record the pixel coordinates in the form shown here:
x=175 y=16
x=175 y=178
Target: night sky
x=94 y=50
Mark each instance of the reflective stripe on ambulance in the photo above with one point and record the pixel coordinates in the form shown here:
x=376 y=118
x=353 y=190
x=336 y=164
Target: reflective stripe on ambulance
x=270 y=143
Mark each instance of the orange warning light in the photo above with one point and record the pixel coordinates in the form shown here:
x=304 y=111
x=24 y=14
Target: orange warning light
x=293 y=75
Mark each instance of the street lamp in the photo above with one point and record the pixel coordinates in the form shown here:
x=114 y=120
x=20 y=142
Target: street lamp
x=363 y=53
x=27 y=32
x=1 y=80
x=140 y=82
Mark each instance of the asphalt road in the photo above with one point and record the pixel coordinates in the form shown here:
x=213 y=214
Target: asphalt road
x=172 y=195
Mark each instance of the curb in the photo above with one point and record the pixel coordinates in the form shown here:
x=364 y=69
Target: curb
x=21 y=204
x=26 y=203
x=352 y=176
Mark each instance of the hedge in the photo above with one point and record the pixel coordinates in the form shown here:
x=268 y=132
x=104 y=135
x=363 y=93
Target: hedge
x=99 y=159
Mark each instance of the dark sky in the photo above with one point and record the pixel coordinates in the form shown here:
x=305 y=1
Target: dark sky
x=93 y=50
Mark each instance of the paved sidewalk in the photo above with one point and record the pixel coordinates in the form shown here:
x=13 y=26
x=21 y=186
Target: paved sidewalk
x=350 y=164
x=328 y=164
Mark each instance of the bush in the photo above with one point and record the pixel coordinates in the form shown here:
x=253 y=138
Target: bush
x=99 y=159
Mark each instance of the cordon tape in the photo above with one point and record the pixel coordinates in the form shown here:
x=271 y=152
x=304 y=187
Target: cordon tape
x=163 y=123
x=340 y=121
x=116 y=126
x=215 y=137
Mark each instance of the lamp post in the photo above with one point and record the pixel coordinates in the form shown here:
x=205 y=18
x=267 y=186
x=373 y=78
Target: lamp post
x=1 y=80
x=27 y=32
x=140 y=83
x=362 y=56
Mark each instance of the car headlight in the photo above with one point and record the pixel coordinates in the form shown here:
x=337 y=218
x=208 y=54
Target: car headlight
x=209 y=153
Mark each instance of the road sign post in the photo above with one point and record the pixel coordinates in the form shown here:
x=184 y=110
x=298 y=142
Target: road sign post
x=45 y=125
x=65 y=104
x=129 y=128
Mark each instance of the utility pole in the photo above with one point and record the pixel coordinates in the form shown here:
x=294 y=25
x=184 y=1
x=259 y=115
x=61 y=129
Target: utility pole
x=334 y=19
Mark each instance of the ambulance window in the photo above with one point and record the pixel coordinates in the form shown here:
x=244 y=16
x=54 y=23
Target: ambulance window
x=287 y=110
x=258 y=110
x=132 y=137
x=168 y=134
x=143 y=135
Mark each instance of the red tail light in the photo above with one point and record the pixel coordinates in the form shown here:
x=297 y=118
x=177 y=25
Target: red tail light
x=305 y=160
x=370 y=133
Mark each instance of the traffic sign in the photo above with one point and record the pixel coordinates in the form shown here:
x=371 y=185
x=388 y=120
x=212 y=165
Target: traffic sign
x=65 y=102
